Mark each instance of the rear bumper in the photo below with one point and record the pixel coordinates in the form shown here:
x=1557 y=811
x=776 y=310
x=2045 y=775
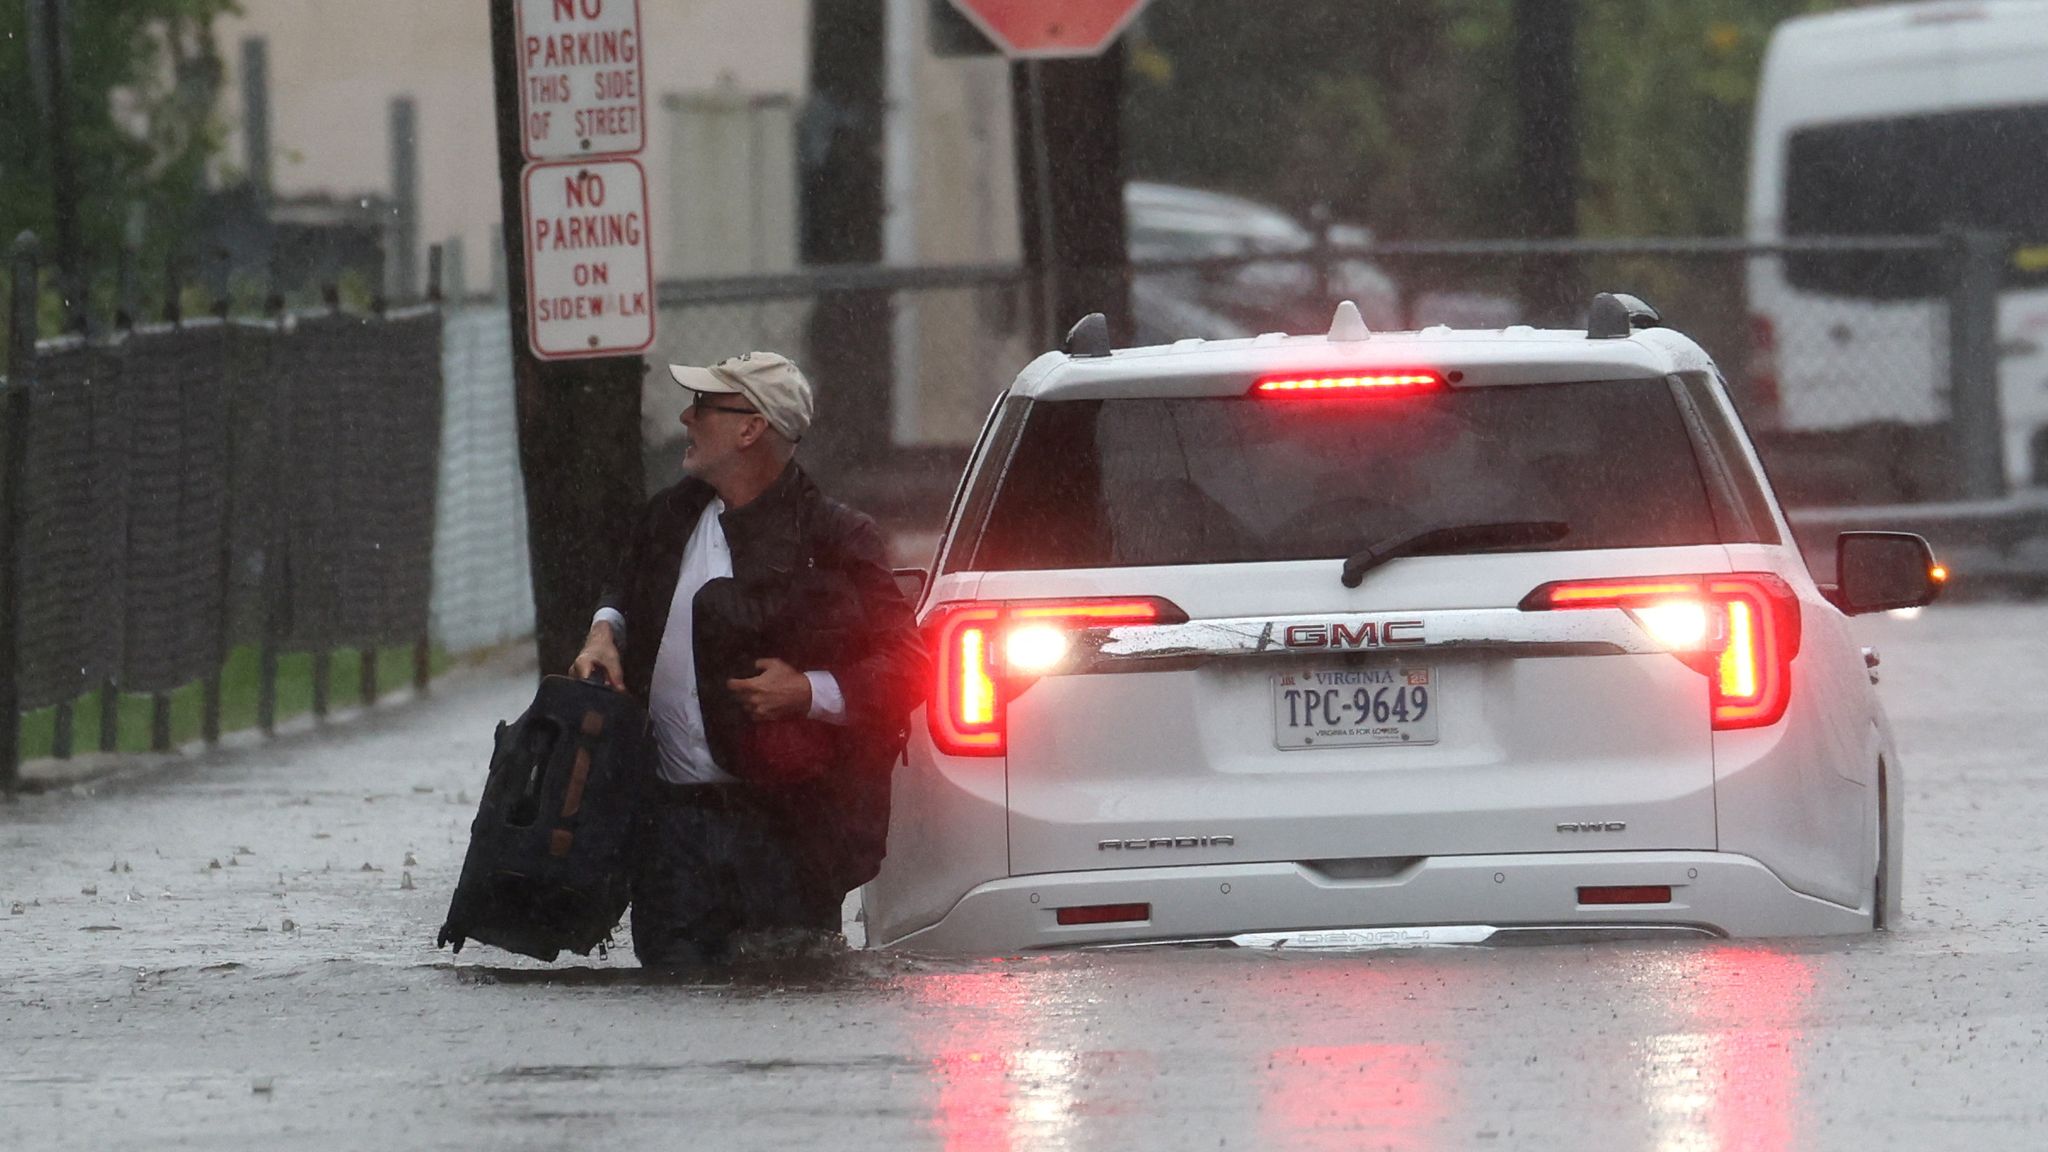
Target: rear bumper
x=1718 y=893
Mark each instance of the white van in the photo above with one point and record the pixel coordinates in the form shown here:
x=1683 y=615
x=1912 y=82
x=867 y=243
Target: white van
x=1904 y=120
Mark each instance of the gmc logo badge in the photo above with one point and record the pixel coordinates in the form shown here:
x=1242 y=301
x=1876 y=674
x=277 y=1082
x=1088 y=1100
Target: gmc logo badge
x=1369 y=634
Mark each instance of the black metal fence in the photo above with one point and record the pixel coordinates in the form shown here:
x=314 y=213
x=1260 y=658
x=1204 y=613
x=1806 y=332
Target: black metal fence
x=174 y=490
x=1868 y=368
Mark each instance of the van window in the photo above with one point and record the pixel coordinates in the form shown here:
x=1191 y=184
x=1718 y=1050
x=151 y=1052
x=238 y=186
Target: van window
x=1917 y=176
x=1132 y=482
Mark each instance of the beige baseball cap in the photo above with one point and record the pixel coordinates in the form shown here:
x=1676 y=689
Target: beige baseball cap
x=768 y=380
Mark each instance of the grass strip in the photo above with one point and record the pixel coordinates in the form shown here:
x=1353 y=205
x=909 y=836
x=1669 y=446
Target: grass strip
x=240 y=689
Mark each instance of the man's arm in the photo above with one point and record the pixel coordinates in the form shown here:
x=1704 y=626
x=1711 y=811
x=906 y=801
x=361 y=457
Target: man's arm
x=890 y=673
x=604 y=645
x=601 y=652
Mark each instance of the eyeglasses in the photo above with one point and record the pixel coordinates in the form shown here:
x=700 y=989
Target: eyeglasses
x=698 y=402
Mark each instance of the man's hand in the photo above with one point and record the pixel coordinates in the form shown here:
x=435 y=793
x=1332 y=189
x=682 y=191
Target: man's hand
x=600 y=653
x=776 y=692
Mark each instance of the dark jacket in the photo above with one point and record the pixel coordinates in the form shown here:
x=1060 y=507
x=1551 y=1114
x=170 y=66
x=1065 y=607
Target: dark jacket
x=811 y=585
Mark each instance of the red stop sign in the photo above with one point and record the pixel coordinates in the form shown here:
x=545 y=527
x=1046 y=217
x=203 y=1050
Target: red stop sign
x=1050 y=28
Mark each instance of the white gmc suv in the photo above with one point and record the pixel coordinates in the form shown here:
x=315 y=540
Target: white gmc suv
x=1385 y=638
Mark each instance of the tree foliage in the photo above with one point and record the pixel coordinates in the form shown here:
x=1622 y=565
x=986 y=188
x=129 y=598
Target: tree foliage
x=1400 y=114
x=142 y=80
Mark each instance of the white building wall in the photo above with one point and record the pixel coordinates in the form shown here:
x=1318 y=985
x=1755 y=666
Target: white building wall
x=335 y=68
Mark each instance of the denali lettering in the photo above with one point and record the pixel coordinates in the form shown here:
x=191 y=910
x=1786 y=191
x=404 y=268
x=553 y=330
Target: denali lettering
x=1166 y=842
x=1365 y=634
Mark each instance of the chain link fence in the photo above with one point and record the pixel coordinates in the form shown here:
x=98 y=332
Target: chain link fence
x=1858 y=391
x=482 y=579
x=172 y=492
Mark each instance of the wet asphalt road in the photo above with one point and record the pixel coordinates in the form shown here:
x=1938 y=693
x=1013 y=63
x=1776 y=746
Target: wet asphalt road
x=291 y=996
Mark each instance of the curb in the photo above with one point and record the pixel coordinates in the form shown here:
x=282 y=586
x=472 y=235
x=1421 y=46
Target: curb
x=84 y=773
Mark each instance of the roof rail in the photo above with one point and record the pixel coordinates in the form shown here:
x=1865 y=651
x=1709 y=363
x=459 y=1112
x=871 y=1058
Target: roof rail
x=1615 y=315
x=1088 y=338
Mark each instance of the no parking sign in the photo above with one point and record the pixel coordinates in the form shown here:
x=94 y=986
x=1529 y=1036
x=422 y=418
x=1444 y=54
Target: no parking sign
x=582 y=86
x=582 y=116
x=589 y=267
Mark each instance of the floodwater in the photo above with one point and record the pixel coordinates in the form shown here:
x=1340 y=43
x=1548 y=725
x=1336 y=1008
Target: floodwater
x=238 y=953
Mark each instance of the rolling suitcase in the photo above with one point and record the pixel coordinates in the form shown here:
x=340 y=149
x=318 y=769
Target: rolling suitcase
x=547 y=868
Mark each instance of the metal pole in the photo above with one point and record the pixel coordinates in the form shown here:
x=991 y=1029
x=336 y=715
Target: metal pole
x=21 y=354
x=437 y=260
x=366 y=681
x=64 y=724
x=276 y=589
x=256 y=114
x=160 y=722
x=579 y=420
x=1546 y=82
x=402 y=280
x=56 y=49
x=160 y=702
x=1976 y=426
x=902 y=47
x=323 y=611
x=127 y=310
x=1041 y=177
x=224 y=557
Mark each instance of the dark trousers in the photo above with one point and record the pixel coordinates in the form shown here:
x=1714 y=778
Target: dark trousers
x=709 y=865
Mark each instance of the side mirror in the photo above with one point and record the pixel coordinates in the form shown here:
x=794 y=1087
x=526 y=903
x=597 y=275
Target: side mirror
x=1879 y=571
x=910 y=582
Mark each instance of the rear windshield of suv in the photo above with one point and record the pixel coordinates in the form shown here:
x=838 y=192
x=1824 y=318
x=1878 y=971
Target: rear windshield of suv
x=1133 y=482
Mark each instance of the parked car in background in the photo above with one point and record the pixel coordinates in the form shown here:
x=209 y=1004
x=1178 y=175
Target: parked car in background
x=1271 y=281
x=1167 y=222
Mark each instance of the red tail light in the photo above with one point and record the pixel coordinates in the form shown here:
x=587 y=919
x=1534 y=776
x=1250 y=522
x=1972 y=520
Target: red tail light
x=1749 y=675
x=965 y=712
x=1404 y=383
x=985 y=653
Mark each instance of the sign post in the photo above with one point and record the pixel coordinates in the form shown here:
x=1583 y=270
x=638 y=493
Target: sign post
x=1067 y=85
x=571 y=117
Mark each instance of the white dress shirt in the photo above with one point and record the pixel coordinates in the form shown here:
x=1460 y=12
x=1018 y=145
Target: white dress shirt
x=672 y=704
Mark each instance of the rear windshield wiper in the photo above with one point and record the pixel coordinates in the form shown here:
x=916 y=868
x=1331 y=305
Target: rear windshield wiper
x=1500 y=535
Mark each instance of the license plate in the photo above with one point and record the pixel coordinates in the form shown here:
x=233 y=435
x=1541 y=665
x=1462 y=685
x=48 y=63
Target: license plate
x=1347 y=707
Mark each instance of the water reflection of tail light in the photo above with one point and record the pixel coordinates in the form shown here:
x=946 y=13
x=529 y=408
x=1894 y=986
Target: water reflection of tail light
x=1756 y=617
x=1731 y=1079
x=986 y=652
x=1354 y=1096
